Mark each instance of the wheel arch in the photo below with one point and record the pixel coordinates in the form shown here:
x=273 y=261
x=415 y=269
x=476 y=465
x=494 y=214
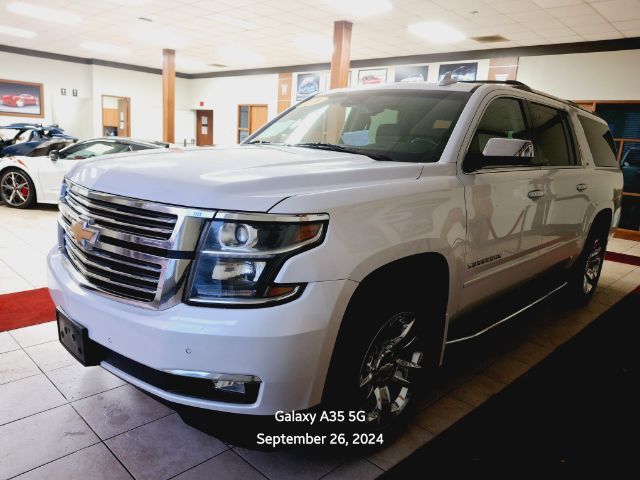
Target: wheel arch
x=427 y=275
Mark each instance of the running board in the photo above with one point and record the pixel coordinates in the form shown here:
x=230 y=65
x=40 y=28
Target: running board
x=470 y=336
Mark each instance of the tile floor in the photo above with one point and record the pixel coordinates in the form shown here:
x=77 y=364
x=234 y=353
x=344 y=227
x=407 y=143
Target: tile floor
x=61 y=420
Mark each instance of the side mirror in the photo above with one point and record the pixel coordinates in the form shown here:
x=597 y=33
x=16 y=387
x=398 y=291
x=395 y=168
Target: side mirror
x=54 y=155
x=501 y=152
x=508 y=147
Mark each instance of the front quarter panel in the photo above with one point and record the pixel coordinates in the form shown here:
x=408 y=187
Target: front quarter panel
x=372 y=226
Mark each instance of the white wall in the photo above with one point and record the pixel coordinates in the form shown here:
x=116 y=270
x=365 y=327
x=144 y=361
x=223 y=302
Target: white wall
x=585 y=76
x=590 y=76
x=224 y=94
x=54 y=75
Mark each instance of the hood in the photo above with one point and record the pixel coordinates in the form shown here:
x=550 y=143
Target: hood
x=245 y=178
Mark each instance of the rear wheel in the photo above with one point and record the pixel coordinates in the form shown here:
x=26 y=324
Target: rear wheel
x=17 y=189
x=585 y=274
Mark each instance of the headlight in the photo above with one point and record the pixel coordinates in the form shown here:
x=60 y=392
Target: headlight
x=239 y=256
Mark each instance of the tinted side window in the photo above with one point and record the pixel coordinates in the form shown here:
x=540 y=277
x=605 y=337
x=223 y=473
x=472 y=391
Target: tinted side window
x=503 y=118
x=551 y=136
x=600 y=142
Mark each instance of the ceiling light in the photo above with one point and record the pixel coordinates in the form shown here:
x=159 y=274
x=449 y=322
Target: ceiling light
x=233 y=55
x=156 y=35
x=46 y=14
x=233 y=21
x=16 y=32
x=311 y=43
x=362 y=8
x=106 y=48
x=436 y=32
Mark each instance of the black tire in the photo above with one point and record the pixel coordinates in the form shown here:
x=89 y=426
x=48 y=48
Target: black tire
x=372 y=316
x=17 y=189
x=585 y=273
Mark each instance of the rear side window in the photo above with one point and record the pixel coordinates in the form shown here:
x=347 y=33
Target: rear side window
x=551 y=136
x=600 y=142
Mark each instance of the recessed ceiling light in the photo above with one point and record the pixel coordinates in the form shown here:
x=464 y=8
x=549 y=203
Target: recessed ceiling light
x=46 y=14
x=16 y=32
x=233 y=55
x=106 y=48
x=436 y=32
x=156 y=35
x=233 y=21
x=314 y=44
x=362 y=8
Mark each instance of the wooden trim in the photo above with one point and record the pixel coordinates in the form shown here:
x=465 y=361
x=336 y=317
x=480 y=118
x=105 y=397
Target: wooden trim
x=30 y=84
x=627 y=234
x=630 y=194
x=168 y=95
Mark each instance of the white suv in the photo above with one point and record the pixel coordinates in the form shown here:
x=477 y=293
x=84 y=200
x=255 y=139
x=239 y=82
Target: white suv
x=331 y=258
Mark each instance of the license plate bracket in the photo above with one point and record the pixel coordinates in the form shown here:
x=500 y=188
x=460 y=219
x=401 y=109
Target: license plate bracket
x=75 y=339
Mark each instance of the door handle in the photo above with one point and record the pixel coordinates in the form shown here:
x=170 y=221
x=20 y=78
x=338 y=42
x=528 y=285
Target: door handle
x=535 y=194
x=581 y=187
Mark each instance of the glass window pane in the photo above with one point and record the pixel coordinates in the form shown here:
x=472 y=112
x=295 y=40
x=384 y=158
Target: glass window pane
x=630 y=163
x=243 y=135
x=244 y=117
x=600 y=142
x=630 y=214
x=503 y=118
x=550 y=139
x=623 y=119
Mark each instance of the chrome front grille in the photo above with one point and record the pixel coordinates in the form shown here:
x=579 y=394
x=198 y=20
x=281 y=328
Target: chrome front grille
x=122 y=217
x=135 y=250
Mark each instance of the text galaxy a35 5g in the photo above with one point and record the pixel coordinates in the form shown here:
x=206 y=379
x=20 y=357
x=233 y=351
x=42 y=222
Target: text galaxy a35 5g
x=331 y=258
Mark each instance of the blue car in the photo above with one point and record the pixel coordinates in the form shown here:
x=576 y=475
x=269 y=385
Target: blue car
x=32 y=140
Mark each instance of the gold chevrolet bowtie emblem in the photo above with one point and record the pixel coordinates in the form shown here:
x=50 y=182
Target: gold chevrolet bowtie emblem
x=83 y=235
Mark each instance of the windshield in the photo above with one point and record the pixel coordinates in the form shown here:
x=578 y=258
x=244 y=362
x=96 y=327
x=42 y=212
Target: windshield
x=397 y=125
x=92 y=149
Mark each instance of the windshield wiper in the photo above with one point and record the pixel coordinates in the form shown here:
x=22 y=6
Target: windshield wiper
x=340 y=148
x=263 y=142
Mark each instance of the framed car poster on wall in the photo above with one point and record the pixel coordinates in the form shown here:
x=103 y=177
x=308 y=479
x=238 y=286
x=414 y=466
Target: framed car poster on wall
x=308 y=84
x=412 y=74
x=459 y=71
x=21 y=99
x=372 y=76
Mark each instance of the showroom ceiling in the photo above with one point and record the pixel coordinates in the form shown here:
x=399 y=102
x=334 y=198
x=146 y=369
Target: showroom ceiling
x=241 y=34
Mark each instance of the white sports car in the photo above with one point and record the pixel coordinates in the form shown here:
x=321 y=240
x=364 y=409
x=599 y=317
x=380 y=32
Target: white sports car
x=27 y=180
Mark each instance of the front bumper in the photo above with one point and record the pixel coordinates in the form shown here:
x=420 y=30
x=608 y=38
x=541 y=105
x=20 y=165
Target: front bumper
x=287 y=346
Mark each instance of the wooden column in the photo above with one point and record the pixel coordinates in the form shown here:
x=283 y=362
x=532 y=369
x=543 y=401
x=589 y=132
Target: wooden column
x=284 y=91
x=340 y=58
x=168 y=95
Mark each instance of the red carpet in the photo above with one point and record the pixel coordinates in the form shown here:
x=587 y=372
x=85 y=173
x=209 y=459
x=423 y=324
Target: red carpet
x=622 y=258
x=31 y=307
x=22 y=309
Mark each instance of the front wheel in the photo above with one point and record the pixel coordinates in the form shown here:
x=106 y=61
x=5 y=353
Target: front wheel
x=17 y=189
x=379 y=362
x=585 y=274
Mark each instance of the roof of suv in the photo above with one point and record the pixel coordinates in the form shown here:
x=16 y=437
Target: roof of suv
x=461 y=86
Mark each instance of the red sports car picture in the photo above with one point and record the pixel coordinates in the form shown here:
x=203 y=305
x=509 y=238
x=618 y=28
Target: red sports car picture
x=19 y=100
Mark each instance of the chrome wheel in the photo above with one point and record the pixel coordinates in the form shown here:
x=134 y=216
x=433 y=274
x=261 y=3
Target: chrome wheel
x=592 y=267
x=15 y=189
x=385 y=373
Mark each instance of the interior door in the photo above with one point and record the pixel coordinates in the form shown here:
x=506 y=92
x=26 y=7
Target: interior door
x=123 y=117
x=204 y=128
x=257 y=117
x=503 y=216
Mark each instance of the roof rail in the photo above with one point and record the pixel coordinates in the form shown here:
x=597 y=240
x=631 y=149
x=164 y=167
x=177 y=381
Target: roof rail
x=515 y=83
